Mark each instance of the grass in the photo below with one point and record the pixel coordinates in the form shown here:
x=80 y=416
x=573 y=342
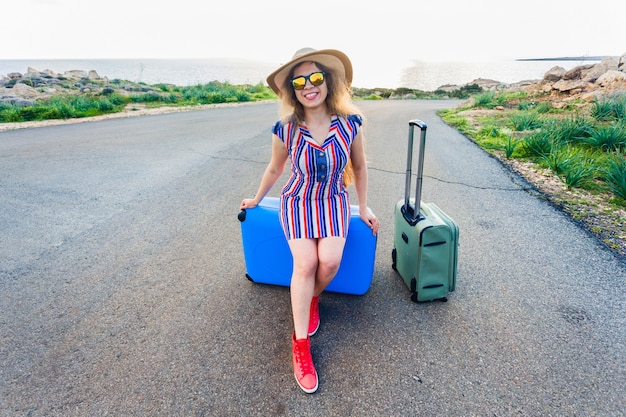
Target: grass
x=609 y=138
x=582 y=144
x=610 y=108
x=575 y=146
x=76 y=105
x=108 y=99
x=614 y=174
x=526 y=120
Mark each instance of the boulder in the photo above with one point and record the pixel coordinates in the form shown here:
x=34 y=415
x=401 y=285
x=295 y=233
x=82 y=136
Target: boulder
x=77 y=74
x=570 y=85
x=554 y=74
x=486 y=84
x=576 y=72
x=16 y=101
x=607 y=64
x=621 y=63
x=611 y=78
x=25 y=91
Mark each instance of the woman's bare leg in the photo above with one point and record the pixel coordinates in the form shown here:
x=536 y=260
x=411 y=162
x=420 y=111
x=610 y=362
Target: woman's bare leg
x=305 y=265
x=329 y=254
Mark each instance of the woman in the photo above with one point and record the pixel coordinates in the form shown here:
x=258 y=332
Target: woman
x=320 y=133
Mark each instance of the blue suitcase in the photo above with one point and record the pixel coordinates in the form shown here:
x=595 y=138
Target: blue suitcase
x=268 y=258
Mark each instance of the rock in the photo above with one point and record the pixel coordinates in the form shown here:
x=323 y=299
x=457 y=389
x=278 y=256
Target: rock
x=21 y=102
x=547 y=87
x=76 y=74
x=554 y=74
x=576 y=72
x=24 y=91
x=449 y=87
x=570 y=85
x=524 y=83
x=611 y=78
x=487 y=84
x=621 y=63
x=607 y=64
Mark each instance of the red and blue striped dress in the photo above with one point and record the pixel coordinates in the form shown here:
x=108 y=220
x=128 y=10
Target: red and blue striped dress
x=314 y=202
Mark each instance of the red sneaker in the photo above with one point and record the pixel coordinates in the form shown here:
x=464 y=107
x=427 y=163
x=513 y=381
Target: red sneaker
x=314 y=317
x=303 y=367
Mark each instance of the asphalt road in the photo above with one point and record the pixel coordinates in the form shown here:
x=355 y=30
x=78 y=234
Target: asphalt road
x=123 y=289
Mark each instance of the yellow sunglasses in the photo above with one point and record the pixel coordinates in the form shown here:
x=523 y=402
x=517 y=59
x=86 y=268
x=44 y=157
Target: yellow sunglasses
x=316 y=78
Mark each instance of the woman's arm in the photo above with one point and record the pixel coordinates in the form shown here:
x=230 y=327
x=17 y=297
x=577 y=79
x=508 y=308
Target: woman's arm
x=274 y=170
x=359 y=164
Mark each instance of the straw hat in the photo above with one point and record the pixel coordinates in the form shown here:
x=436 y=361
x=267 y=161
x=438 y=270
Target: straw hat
x=331 y=58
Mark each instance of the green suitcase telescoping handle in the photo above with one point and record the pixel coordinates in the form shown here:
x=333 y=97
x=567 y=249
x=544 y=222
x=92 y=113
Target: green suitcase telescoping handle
x=412 y=214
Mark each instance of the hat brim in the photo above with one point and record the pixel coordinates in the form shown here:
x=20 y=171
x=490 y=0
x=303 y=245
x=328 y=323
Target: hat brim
x=336 y=60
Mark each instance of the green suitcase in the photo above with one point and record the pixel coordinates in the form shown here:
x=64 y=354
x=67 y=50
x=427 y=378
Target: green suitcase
x=426 y=239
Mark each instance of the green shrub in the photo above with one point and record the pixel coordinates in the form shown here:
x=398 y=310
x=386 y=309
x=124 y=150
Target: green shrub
x=614 y=175
x=485 y=99
x=526 y=105
x=214 y=92
x=576 y=168
x=537 y=145
x=8 y=113
x=470 y=89
x=610 y=108
x=560 y=160
x=579 y=174
x=544 y=107
x=458 y=122
x=149 y=97
x=242 y=96
x=166 y=88
x=489 y=130
x=568 y=131
x=509 y=147
x=608 y=137
x=526 y=121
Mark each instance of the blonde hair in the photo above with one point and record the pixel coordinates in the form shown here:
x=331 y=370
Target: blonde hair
x=338 y=101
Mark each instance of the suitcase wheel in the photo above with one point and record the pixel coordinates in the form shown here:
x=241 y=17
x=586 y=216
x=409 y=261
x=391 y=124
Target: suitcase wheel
x=414 y=290
x=249 y=278
x=393 y=259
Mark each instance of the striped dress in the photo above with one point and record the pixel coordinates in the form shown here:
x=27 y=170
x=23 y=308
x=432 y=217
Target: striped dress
x=314 y=202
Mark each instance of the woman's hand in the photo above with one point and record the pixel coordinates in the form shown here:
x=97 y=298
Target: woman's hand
x=370 y=220
x=248 y=203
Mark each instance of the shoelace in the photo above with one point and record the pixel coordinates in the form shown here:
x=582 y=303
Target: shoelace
x=305 y=360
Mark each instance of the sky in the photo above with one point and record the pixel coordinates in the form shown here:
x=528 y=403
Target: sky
x=376 y=35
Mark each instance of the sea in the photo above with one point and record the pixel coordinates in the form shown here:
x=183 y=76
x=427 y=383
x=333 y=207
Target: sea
x=425 y=76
